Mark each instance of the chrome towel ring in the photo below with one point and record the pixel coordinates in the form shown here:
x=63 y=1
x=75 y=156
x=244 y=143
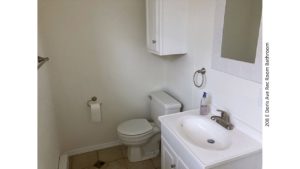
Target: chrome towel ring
x=203 y=79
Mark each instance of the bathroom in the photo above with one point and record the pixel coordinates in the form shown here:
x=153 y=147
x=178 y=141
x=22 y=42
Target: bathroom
x=99 y=48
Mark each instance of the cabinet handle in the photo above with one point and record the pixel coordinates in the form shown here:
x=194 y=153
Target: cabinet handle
x=173 y=165
x=153 y=41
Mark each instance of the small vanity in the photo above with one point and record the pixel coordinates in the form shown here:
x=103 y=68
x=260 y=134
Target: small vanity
x=193 y=141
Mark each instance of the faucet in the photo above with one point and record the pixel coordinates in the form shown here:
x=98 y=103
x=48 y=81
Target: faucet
x=223 y=120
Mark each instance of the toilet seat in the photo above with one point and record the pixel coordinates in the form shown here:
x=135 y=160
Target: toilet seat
x=135 y=127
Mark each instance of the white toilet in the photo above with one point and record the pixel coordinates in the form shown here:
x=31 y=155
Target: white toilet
x=143 y=137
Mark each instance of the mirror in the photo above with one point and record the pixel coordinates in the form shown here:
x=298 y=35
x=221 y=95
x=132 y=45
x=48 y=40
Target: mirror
x=237 y=43
x=241 y=29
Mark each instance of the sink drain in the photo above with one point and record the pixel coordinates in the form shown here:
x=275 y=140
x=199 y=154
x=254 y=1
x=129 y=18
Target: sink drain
x=211 y=141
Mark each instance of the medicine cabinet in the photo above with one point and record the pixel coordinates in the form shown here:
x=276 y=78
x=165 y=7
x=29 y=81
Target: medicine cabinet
x=166 y=26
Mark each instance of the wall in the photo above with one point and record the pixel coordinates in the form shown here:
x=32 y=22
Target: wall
x=242 y=98
x=98 y=48
x=48 y=142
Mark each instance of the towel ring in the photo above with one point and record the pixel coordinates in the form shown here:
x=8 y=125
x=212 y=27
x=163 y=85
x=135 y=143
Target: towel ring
x=202 y=72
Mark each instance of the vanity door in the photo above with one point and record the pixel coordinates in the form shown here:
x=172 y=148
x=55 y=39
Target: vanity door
x=181 y=164
x=168 y=158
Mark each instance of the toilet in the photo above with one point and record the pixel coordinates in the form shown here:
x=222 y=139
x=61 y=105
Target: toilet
x=142 y=136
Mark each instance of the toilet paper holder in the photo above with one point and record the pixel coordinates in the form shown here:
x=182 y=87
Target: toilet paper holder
x=93 y=99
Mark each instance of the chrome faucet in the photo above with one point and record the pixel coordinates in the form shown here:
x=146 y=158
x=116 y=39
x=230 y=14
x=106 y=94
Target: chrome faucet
x=223 y=120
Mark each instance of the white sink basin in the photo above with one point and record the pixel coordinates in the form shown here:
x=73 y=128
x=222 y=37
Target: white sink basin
x=204 y=133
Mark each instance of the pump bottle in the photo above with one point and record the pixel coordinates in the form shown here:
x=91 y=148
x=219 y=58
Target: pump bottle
x=204 y=107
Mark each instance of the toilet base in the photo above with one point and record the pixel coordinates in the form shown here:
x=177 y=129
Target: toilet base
x=135 y=154
x=146 y=151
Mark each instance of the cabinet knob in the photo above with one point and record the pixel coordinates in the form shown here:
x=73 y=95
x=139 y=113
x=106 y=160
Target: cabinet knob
x=173 y=165
x=153 y=41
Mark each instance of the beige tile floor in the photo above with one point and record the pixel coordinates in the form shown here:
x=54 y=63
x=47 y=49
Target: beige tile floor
x=114 y=158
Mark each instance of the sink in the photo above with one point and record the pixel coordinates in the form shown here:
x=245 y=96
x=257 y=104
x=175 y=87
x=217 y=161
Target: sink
x=204 y=133
x=195 y=136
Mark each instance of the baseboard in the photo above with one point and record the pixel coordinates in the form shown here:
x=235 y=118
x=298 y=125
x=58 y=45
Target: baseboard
x=93 y=148
x=64 y=158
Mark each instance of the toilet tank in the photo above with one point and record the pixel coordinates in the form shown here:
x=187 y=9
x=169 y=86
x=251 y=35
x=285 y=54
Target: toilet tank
x=162 y=103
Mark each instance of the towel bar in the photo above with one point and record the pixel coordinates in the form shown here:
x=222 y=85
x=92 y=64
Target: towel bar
x=41 y=61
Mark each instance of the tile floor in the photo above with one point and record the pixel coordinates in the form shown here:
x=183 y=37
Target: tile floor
x=114 y=158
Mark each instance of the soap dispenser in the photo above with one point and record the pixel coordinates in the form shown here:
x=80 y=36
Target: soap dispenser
x=204 y=107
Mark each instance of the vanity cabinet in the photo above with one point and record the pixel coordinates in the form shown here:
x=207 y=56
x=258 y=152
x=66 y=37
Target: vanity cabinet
x=170 y=160
x=166 y=26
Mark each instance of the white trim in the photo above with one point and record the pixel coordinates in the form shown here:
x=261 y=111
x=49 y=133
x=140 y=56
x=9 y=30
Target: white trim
x=63 y=161
x=93 y=148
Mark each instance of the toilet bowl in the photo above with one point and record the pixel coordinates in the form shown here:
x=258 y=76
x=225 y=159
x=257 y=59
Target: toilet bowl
x=143 y=137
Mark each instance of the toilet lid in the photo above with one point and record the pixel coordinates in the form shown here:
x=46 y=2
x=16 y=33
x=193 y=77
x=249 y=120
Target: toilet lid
x=134 y=127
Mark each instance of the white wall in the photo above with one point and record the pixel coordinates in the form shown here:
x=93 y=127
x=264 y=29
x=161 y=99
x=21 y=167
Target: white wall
x=48 y=142
x=98 y=47
x=242 y=98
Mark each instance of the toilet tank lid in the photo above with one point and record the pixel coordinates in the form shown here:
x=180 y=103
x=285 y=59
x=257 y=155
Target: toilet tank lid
x=165 y=99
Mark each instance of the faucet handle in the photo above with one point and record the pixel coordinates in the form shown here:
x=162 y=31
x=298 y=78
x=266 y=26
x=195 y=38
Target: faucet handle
x=224 y=114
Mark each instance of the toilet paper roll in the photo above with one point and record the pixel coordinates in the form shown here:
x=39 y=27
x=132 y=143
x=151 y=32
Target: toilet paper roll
x=95 y=112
